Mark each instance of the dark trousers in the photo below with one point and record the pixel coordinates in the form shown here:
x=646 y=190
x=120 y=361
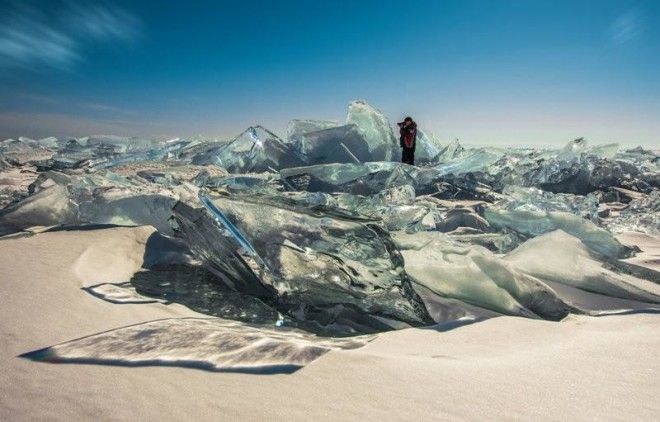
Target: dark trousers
x=408 y=156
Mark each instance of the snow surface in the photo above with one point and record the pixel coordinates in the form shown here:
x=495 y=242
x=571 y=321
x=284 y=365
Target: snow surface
x=505 y=367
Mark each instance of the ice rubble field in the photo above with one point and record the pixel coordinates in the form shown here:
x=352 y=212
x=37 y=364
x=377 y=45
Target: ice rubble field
x=323 y=234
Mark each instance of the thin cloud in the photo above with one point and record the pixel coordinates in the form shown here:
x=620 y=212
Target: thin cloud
x=26 y=42
x=39 y=98
x=108 y=108
x=104 y=23
x=626 y=27
x=14 y=124
x=31 y=40
x=91 y=106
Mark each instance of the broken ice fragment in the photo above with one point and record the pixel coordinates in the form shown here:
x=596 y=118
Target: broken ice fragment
x=297 y=128
x=341 y=144
x=334 y=260
x=361 y=179
x=426 y=149
x=254 y=150
x=375 y=128
x=535 y=223
x=562 y=258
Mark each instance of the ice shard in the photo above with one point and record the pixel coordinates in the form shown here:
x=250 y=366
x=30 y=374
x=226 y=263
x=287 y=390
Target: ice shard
x=535 y=223
x=15 y=183
x=340 y=144
x=427 y=149
x=158 y=153
x=312 y=263
x=120 y=144
x=533 y=199
x=604 y=151
x=561 y=258
x=360 y=179
x=640 y=215
x=166 y=174
x=477 y=160
x=61 y=199
x=18 y=153
x=50 y=206
x=255 y=150
x=476 y=276
x=452 y=150
x=573 y=150
x=299 y=127
x=375 y=128
x=526 y=281
x=220 y=251
x=394 y=207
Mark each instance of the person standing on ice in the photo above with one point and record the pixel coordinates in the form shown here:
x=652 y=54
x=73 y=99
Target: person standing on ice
x=408 y=131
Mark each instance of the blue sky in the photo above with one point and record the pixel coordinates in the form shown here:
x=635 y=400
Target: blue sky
x=487 y=72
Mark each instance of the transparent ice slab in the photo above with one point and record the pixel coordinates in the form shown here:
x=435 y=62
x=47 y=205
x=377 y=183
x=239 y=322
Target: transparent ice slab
x=309 y=263
x=375 y=128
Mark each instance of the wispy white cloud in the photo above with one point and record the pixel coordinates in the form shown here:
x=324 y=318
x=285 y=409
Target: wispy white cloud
x=627 y=26
x=31 y=39
x=104 y=23
x=25 y=41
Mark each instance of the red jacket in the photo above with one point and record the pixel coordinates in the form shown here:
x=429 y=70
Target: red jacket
x=408 y=136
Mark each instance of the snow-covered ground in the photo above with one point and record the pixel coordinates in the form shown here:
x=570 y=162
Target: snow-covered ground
x=503 y=368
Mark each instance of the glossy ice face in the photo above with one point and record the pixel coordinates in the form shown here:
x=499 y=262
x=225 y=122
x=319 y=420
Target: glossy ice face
x=310 y=263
